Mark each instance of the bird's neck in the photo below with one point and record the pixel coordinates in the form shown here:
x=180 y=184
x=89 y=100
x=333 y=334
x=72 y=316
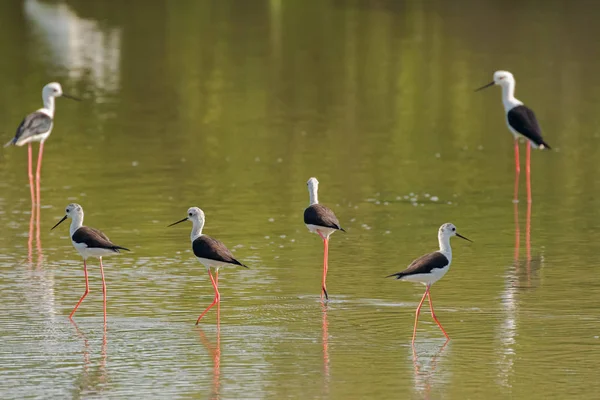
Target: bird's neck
x=76 y=223
x=508 y=97
x=49 y=105
x=445 y=245
x=314 y=197
x=196 y=230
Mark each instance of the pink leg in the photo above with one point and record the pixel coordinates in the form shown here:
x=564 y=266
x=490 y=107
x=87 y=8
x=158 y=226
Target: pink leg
x=37 y=172
x=434 y=317
x=30 y=172
x=325 y=265
x=528 y=171
x=87 y=289
x=30 y=238
x=417 y=314
x=215 y=301
x=218 y=304
x=103 y=289
x=517 y=170
x=517 y=236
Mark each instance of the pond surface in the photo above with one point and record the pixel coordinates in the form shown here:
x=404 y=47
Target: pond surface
x=231 y=106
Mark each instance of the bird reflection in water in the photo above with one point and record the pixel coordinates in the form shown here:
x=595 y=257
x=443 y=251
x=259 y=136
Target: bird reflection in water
x=215 y=352
x=325 y=340
x=91 y=380
x=34 y=222
x=425 y=369
x=522 y=277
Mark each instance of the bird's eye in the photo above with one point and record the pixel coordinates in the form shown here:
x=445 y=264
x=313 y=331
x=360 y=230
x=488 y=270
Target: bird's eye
x=453 y=229
x=190 y=214
x=501 y=77
x=67 y=210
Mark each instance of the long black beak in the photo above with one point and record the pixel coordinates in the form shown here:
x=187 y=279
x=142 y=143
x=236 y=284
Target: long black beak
x=68 y=96
x=178 y=222
x=462 y=237
x=59 y=222
x=485 y=86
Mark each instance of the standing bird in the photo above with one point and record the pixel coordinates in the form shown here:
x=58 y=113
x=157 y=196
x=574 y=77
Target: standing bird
x=521 y=121
x=210 y=252
x=36 y=127
x=320 y=219
x=429 y=269
x=89 y=242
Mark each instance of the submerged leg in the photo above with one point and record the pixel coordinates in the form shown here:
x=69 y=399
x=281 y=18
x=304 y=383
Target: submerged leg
x=528 y=171
x=103 y=289
x=30 y=172
x=517 y=171
x=325 y=266
x=434 y=317
x=216 y=299
x=417 y=314
x=87 y=289
x=38 y=173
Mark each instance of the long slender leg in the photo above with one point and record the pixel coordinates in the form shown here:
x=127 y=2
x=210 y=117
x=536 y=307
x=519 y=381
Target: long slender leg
x=87 y=289
x=528 y=171
x=517 y=236
x=38 y=171
x=433 y=315
x=325 y=266
x=103 y=289
x=517 y=171
x=30 y=238
x=417 y=314
x=217 y=296
x=218 y=301
x=30 y=172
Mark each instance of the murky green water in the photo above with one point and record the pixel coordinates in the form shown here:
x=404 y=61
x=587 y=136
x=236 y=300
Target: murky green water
x=231 y=106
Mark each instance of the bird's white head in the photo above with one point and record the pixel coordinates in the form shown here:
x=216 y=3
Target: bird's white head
x=503 y=78
x=313 y=188
x=195 y=214
x=448 y=230
x=73 y=209
x=53 y=89
x=75 y=212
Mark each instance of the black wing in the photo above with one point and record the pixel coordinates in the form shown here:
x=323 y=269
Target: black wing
x=212 y=249
x=424 y=265
x=319 y=215
x=95 y=239
x=34 y=124
x=523 y=120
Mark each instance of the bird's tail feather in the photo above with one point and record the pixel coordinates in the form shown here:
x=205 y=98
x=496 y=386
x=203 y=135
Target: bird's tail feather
x=117 y=248
x=10 y=142
x=398 y=275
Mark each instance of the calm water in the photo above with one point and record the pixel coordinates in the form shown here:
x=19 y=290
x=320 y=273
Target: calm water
x=231 y=105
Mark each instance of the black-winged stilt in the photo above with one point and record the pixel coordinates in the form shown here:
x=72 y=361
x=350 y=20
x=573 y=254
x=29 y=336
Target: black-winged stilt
x=36 y=127
x=430 y=268
x=521 y=121
x=89 y=242
x=210 y=252
x=321 y=220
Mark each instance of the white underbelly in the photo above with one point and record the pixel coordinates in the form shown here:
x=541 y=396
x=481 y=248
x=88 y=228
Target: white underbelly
x=427 y=279
x=92 y=252
x=325 y=231
x=208 y=263
x=36 y=138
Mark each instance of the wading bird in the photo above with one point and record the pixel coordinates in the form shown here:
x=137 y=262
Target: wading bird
x=429 y=269
x=89 y=242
